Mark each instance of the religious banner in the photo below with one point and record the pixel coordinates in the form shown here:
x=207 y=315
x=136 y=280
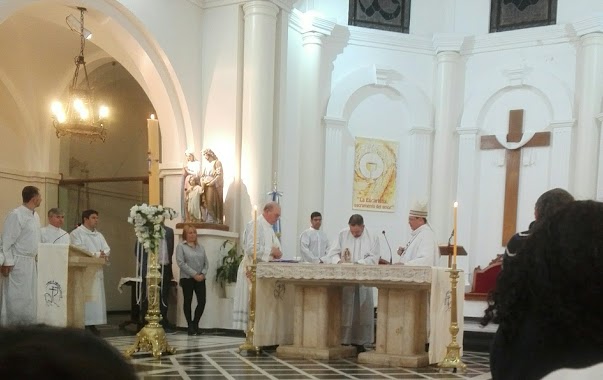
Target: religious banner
x=52 y=284
x=375 y=164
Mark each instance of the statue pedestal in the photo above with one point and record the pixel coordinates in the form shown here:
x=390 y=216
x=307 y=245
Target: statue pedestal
x=218 y=309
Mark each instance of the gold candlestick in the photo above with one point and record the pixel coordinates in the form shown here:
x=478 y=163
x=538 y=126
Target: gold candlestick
x=152 y=336
x=456 y=206
x=248 y=345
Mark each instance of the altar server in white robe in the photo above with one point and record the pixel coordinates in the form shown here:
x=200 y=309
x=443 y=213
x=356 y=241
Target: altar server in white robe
x=422 y=247
x=267 y=246
x=313 y=242
x=20 y=239
x=357 y=317
x=88 y=238
x=53 y=233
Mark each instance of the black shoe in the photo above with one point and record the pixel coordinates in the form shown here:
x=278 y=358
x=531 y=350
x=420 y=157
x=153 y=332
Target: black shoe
x=197 y=332
x=191 y=331
x=359 y=348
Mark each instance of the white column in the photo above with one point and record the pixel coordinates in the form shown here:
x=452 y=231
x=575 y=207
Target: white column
x=419 y=156
x=333 y=163
x=447 y=93
x=561 y=147
x=312 y=135
x=467 y=192
x=589 y=92
x=258 y=103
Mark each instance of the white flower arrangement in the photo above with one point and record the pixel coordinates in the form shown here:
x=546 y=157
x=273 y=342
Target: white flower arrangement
x=147 y=220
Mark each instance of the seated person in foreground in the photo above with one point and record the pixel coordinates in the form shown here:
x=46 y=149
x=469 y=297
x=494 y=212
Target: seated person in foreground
x=41 y=352
x=547 y=307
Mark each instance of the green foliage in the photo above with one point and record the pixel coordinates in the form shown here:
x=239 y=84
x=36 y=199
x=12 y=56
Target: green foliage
x=227 y=272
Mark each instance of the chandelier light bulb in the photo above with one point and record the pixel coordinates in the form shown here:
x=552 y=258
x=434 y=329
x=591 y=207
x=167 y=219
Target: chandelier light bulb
x=57 y=108
x=78 y=105
x=103 y=112
x=84 y=113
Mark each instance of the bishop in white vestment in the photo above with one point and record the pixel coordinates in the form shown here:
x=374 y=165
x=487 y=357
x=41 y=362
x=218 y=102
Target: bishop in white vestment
x=88 y=238
x=53 y=233
x=357 y=317
x=267 y=247
x=422 y=247
x=20 y=239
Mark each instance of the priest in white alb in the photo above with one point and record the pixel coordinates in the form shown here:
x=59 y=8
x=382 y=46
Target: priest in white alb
x=267 y=246
x=89 y=239
x=53 y=233
x=313 y=242
x=357 y=316
x=20 y=239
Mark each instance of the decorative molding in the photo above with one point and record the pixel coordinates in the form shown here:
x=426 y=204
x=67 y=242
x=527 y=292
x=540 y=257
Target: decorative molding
x=467 y=131
x=390 y=40
x=335 y=122
x=589 y=25
x=540 y=36
x=517 y=76
x=170 y=169
x=385 y=77
x=447 y=42
x=567 y=123
x=373 y=274
x=27 y=176
x=285 y=5
x=421 y=130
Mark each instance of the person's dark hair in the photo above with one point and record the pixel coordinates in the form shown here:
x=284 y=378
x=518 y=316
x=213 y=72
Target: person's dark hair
x=28 y=193
x=356 y=220
x=558 y=279
x=315 y=214
x=551 y=201
x=42 y=352
x=87 y=214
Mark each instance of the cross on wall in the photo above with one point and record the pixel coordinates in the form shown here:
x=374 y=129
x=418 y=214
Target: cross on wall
x=512 y=161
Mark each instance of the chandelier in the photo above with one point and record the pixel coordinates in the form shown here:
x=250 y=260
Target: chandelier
x=80 y=116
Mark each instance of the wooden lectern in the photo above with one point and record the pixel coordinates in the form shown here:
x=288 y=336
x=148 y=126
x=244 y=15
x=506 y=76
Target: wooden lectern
x=446 y=250
x=65 y=277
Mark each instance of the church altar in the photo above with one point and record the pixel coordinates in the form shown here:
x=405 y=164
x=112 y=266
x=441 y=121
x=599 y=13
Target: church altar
x=413 y=309
x=218 y=309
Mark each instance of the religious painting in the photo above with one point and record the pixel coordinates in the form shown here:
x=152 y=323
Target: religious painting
x=391 y=15
x=375 y=168
x=519 y=14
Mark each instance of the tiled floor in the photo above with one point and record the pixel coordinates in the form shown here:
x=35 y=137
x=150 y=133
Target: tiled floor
x=216 y=357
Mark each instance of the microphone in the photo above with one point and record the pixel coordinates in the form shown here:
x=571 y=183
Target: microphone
x=55 y=240
x=391 y=255
x=450 y=238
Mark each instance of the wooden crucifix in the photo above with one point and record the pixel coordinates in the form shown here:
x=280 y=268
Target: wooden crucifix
x=513 y=159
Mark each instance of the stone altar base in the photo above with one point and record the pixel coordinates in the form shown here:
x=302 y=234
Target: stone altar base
x=327 y=353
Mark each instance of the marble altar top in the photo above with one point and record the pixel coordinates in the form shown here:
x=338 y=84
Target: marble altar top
x=374 y=274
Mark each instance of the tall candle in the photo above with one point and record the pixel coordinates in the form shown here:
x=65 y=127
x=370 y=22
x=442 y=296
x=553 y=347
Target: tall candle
x=255 y=233
x=456 y=206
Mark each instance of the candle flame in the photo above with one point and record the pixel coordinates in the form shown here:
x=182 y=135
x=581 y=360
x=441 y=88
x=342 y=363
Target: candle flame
x=456 y=204
x=152 y=116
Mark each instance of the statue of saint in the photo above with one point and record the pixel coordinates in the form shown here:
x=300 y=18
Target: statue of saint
x=191 y=208
x=212 y=180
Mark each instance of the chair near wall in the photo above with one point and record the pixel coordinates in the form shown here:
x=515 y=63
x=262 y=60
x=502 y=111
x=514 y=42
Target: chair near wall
x=484 y=280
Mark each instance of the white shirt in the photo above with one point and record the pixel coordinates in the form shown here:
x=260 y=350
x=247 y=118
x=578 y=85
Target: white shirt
x=363 y=249
x=91 y=241
x=422 y=248
x=313 y=244
x=21 y=234
x=54 y=235
x=265 y=239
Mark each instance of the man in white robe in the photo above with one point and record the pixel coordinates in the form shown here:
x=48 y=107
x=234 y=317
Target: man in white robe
x=422 y=247
x=267 y=246
x=20 y=240
x=357 y=317
x=53 y=233
x=88 y=238
x=313 y=243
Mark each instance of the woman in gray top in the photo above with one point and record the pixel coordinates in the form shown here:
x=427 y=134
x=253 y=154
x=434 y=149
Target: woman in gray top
x=191 y=259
